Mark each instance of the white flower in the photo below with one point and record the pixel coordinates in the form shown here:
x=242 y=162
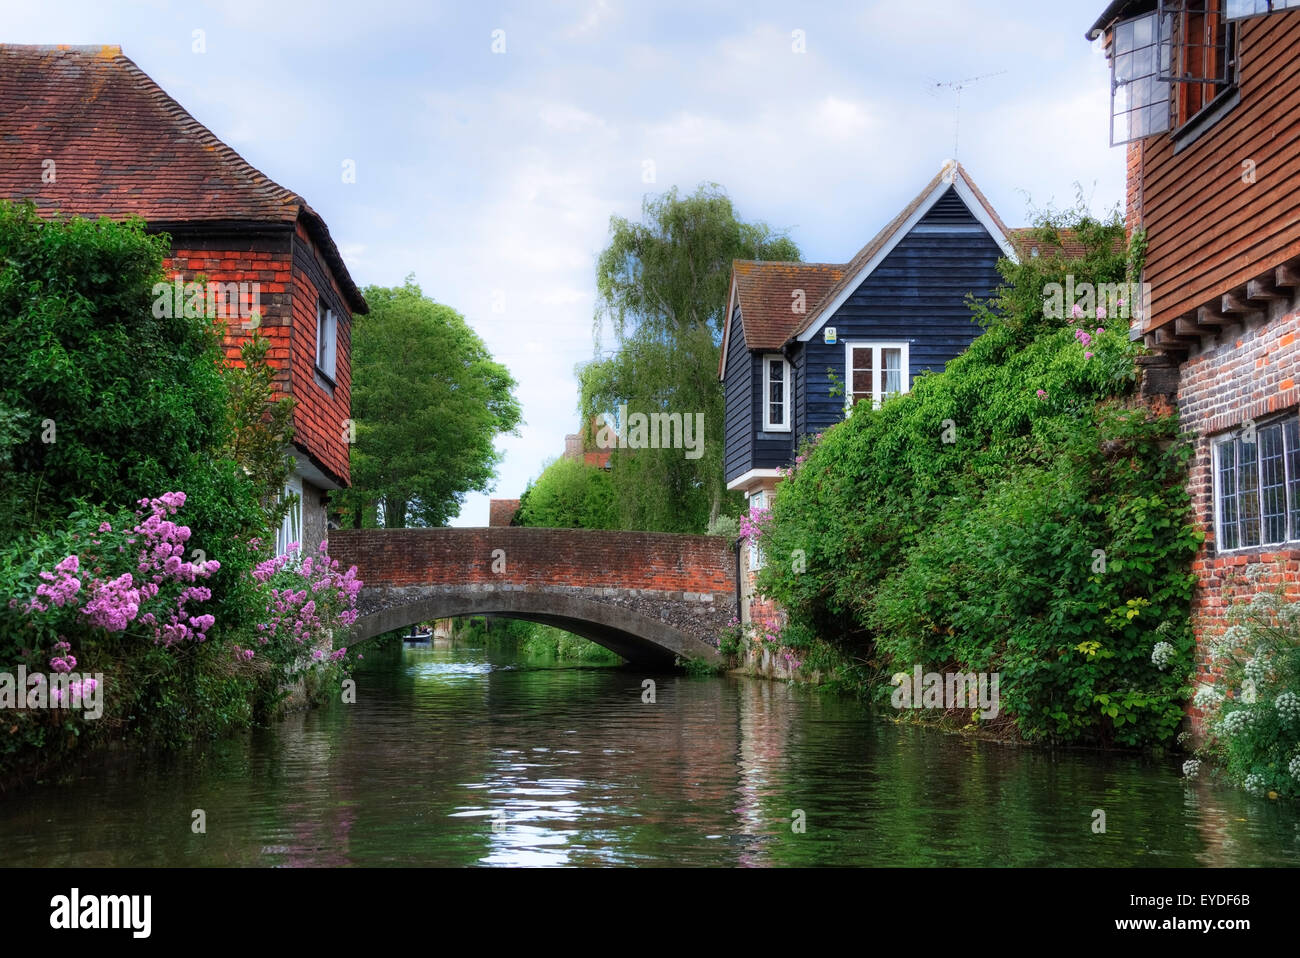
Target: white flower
x=1207 y=696
x=1294 y=767
x=1254 y=784
x=1162 y=655
x=1191 y=768
x=1288 y=705
x=1236 y=721
x=1256 y=670
x=1263 y=601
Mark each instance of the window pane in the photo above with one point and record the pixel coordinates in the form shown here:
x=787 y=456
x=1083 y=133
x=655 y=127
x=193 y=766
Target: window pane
x=776 y=392
x=891 y=373
x=1228 y=537
x=1248 y=492
x=1291 y=434
x=863 y=357
x=1139 y=98
x=1272 y=483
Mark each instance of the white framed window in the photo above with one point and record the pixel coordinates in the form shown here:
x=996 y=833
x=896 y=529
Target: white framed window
x=1257 y=485
x=757 y=501
x=326 y=339
x=776 y=393
x=875 y=371
x=290 y=531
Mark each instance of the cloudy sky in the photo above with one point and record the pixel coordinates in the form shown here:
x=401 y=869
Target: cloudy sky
x=492 y=175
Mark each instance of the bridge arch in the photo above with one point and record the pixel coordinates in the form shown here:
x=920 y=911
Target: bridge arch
x=649 y=597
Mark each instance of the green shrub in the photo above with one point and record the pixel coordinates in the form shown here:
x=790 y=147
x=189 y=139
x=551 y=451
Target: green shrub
x=1019 y=512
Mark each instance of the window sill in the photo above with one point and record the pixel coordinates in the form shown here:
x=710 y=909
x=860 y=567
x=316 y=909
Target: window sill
x=323 y=381
x=1210 y=114
x=1291 y=548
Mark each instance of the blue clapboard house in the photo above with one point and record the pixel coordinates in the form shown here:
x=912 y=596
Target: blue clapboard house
x=805 y=340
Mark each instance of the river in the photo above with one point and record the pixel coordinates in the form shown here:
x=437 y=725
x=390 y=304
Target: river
x=473 y=757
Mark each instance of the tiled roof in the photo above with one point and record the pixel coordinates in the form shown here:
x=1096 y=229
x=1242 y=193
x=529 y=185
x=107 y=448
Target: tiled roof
x=1029 y=243
x=766 y=292
x=854 y=267
x=122 y=147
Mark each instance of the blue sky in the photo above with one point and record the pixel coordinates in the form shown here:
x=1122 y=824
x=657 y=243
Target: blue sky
x=492 y=176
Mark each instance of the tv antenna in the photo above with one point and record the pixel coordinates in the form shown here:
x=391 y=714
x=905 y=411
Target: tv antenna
x=957 y=86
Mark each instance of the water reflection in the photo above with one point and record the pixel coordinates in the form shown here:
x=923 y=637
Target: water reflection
x=452 y=757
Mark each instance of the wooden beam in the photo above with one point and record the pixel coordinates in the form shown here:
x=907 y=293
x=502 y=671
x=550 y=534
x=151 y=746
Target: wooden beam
x=1188 y=327
x=1173 y=343
x=1287 y=275
x=1208 y=317
x=1263 y=290
x=1232 y=303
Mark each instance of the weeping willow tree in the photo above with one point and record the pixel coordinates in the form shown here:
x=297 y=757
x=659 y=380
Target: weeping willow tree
x=662 y=287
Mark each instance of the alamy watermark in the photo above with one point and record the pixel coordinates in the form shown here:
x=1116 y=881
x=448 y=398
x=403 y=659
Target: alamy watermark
x=211 y=300
x=1101 y=300
x=947 y=690
x=656 y=430
x=57 y=690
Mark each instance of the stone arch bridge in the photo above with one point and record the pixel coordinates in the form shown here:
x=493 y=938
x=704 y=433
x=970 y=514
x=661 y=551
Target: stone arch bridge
x=650 y=597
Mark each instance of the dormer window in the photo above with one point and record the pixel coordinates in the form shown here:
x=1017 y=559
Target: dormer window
x=776 y=393
x=326 y=340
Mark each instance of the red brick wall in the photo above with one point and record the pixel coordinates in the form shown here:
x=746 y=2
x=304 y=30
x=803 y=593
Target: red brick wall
x=578 y=557
x=270 y=270
x=1249 y=372
x=321 y=413
x=287 y=295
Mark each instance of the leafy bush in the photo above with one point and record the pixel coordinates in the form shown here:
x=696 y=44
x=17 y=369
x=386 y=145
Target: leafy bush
x=100 y=399
x=569 y=495
x=1019 y=512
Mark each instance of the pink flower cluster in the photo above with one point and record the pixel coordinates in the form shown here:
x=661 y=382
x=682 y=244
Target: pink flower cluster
x=753 y=523
x=76 y=690
x=114 y=603
x=316 y=596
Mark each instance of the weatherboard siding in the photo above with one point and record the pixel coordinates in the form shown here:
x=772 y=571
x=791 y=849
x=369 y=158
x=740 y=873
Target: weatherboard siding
x=916 y=295
x=738 y=436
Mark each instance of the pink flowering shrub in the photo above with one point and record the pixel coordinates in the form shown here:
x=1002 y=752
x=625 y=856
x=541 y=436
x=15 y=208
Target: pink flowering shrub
x=128 y=578
x=308 y=601
x=134 y=580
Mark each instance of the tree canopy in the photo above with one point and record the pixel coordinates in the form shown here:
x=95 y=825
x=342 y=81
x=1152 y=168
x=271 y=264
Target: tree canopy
x=428 y=401
x=569 y=495
x=662 y=287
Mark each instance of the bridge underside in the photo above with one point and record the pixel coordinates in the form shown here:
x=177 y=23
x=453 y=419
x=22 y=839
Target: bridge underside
x=644 y=628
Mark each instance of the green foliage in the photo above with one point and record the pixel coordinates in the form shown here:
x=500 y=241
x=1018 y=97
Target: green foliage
x=428 y=401
x=99 y=398
x=1253 y=708
x=569 y=495
x=726 y=526
x=1007 y=515
x=259 y=426
x=103 y=403
x=662 y=287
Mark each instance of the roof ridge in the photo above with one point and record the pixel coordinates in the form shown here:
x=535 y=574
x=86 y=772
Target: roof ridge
x=190 y=126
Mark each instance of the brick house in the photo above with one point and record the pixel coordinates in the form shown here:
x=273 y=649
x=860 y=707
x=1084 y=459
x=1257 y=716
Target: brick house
x=1206 y=98
x=83 y=131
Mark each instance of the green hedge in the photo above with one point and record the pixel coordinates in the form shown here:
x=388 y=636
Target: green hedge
x=1019 y=513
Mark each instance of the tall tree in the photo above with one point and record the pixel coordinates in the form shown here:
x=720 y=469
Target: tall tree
x=428 y=401
x=662 y=289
